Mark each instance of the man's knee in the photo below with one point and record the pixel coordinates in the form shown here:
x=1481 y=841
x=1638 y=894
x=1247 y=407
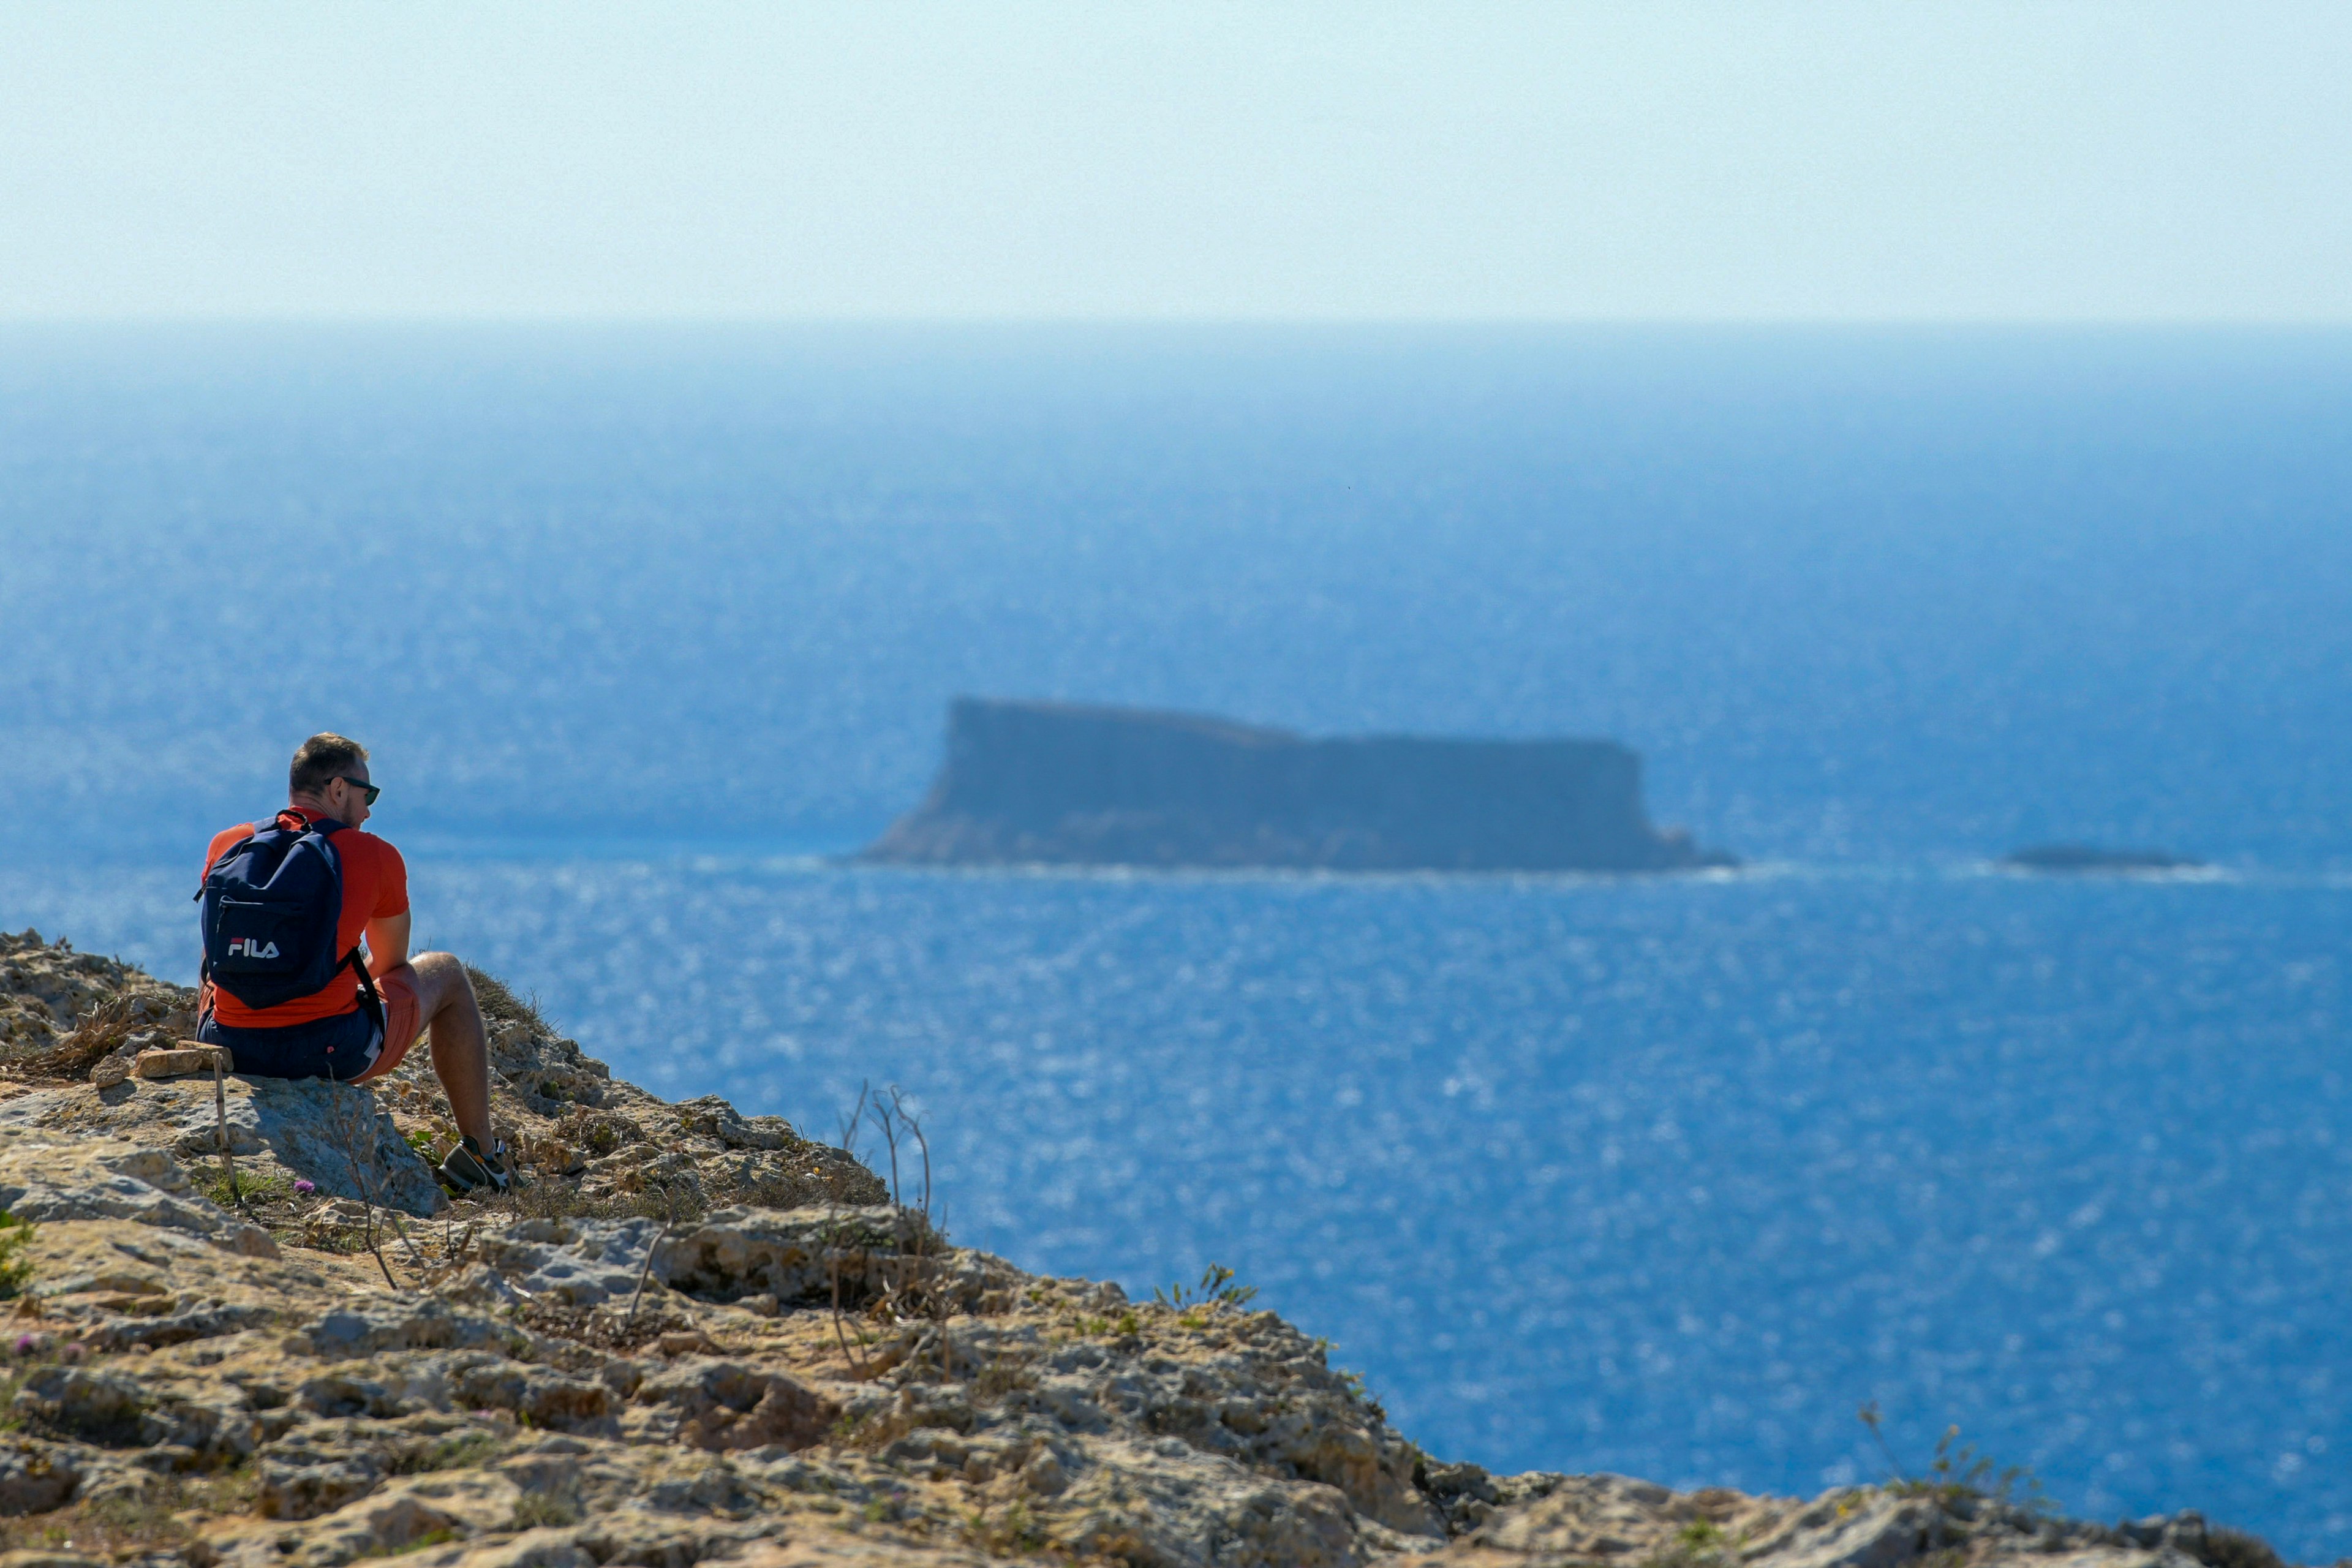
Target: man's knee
x=441 y=982
x=441 y=966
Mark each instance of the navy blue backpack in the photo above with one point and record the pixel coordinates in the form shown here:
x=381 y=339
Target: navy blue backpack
x=270 y=905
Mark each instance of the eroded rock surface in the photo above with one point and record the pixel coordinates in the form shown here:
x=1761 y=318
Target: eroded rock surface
x=63 y=1173
x=336 y=1137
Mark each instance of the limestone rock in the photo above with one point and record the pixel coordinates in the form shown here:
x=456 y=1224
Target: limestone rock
x=401 y=1321
x=65 y=1175
x=159 y=1062
x=408 y=1514
x=725 y=1405
x=1600 y=1520
x=581 y=1263
x=712 y=1116
x=35 y=1475
x=335 y=1136
x=798 y=1258
x=41 y=1558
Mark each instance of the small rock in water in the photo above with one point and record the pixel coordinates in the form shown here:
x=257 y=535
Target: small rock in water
x=2084 y=860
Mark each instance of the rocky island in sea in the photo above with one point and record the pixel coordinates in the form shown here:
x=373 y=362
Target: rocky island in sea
x=247 y=1332
x=1052 y=783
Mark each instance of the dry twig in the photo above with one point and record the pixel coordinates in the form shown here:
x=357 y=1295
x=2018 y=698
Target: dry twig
x=911 y=1279
x=363 y=1179
x=833 y=1274
x=220 y=1126
x=647 y=1267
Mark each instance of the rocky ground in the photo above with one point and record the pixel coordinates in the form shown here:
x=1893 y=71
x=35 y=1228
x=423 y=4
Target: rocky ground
x=698 y=1335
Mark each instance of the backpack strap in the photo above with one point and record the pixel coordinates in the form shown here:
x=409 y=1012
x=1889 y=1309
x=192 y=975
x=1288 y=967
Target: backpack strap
x=370 y=1003
x=370 y=999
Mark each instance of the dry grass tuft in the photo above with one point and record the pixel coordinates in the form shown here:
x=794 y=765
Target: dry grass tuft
x=502 y=1005
x=98 y=1034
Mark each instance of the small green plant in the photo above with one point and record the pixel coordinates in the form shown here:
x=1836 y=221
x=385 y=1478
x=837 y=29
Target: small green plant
x=429 y=1539
x=1015 y=1533
x=2220 y=1548
x=454 y=1452
x=255 y=1187
x=16 y=1268
x=553 y=1510
x=421 y=1139
x=1216 y=1289
x=1003 y=1374
x=1958 y=1472
x=1354 y=1384
x=1701 y=1543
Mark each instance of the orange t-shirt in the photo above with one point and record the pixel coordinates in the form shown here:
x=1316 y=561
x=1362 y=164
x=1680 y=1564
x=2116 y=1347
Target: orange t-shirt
x=375 y=887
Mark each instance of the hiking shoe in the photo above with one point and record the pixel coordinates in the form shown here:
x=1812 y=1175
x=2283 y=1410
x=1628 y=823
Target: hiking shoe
x=469 y=1171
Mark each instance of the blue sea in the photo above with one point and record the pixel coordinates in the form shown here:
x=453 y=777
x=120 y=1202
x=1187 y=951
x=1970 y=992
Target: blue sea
x=1665 y=1176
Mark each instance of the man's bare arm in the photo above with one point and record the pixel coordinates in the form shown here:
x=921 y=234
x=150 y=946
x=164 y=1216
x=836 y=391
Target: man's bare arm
x=387 y=943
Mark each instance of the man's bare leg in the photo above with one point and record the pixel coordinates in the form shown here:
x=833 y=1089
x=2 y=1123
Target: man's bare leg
x=461 y=1048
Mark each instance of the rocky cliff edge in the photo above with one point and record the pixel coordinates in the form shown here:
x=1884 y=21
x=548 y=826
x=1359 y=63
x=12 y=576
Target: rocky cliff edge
x=697 y=1336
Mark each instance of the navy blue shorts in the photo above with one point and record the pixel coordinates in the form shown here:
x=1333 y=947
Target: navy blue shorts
x=341 y=1047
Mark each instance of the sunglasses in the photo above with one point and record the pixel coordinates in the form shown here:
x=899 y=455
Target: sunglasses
x=368 y=792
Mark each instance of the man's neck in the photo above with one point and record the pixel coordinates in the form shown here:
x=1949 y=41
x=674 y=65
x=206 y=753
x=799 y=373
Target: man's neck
x=313 y=808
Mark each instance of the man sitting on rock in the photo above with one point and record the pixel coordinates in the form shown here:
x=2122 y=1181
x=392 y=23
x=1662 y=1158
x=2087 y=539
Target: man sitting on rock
x=329 y=1033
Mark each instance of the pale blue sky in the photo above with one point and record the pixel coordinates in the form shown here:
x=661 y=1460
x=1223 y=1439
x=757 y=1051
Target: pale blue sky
x=1657 y=161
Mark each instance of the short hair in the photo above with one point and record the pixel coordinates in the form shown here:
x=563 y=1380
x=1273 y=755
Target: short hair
x=324 y=757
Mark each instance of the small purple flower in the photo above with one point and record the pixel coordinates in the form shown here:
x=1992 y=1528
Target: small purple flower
x=26 y=1344
x=305 y=1187
x=73 y=1353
